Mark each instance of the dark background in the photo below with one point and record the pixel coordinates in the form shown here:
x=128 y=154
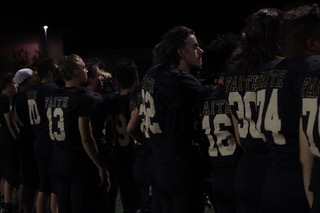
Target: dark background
x=126 y=24
x=93 y=27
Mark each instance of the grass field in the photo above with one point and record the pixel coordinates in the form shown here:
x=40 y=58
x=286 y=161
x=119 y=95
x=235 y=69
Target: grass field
x=120 y=210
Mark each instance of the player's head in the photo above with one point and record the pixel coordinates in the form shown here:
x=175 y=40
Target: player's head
x=8 y=83
x=300 y=31
x=126 y=73
x=178 y=45
x=73 y=67
x=217 y=54
x=260 y=40
x=45 y=67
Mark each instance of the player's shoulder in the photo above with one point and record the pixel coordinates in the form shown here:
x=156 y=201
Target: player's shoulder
x=5 y=98
x=211 y=92
x=111 y=96
x=185 y=79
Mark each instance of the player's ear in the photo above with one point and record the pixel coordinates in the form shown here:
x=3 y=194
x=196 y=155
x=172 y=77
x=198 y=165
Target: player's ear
x=180 y=52
x=313 y=44
x=74 y=74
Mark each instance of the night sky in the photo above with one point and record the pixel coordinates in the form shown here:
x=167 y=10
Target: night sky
x=99 y=25
x=120 y=24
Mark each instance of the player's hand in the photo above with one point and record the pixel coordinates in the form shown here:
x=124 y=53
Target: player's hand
x=104 y=177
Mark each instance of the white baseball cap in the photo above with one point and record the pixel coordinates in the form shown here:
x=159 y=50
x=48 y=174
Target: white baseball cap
x=22 y=74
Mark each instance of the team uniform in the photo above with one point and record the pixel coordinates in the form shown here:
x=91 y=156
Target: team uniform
x=97 y=123
x=76 y=174
x=8 y=146
x=241 y=93
x=42 y=146
x=118 y=112
x=310 y=103
x=278 y=97
x=167 y=114
x=142 y=164
x=215 y=129
x=28 y=163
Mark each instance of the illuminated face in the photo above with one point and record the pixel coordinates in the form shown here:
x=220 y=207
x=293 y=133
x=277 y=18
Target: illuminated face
x=98 y=79
x=81 y=73
x=12 y=87
x=191 y=53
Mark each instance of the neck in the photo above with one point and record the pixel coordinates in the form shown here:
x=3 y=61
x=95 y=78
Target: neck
x=184 y=67
x=72 y=83
x=92 y=88
x=125 y=91
x=46 y=80
x=5 y=91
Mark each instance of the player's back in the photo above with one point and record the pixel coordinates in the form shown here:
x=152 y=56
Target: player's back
x=215 y=126
x=5 y=107
x=166 y=111
x=37 y=112
x=241 y=89
x=64 y=108
x=279 y=114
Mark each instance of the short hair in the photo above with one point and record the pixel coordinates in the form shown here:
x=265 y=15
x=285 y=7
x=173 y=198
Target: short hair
x=93 y=65
x=6 y=79
x=67 y=66
x=165 y=52
x=298 y=25
x=125 y=73
x=44 y=66
x=217 y=53
x=93 y=70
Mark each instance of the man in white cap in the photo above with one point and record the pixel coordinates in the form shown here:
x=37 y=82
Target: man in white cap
x=28 y=165
x=22 y=75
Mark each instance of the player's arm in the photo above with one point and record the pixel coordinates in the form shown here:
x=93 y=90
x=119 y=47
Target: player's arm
x=11 y=125
x=90 y=147
x=133 y=126
x=235 y=127
x=306 y=159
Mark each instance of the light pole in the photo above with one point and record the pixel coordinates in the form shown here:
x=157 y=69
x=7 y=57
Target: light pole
x=45 y=27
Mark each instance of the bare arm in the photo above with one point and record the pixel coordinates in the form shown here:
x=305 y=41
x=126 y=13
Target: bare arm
x=12 y=125
x=236 y=130
x=133 y=126
x=90 y=147
x=306 y=159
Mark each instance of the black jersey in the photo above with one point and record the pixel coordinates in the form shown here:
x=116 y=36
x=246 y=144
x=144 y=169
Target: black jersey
x=279 y=113
x=278 y=99
x=136 y=96
x=98 y=118
x=135 y=103
x=20 y=113
x=214 y=126
x=37 y=112
x=118 y=111
x=167 y=113
x=64 y=108
x=5 y=106
x=241 y=90
x=310 y=103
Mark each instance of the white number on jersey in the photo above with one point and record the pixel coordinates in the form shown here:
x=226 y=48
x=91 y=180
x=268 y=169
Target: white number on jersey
x=310 y=108
x=244 y=113
x=57 y=113
x=121 y=128
x=271 y=120
x=33 y=112
x=147 y=114
x=224 y=150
